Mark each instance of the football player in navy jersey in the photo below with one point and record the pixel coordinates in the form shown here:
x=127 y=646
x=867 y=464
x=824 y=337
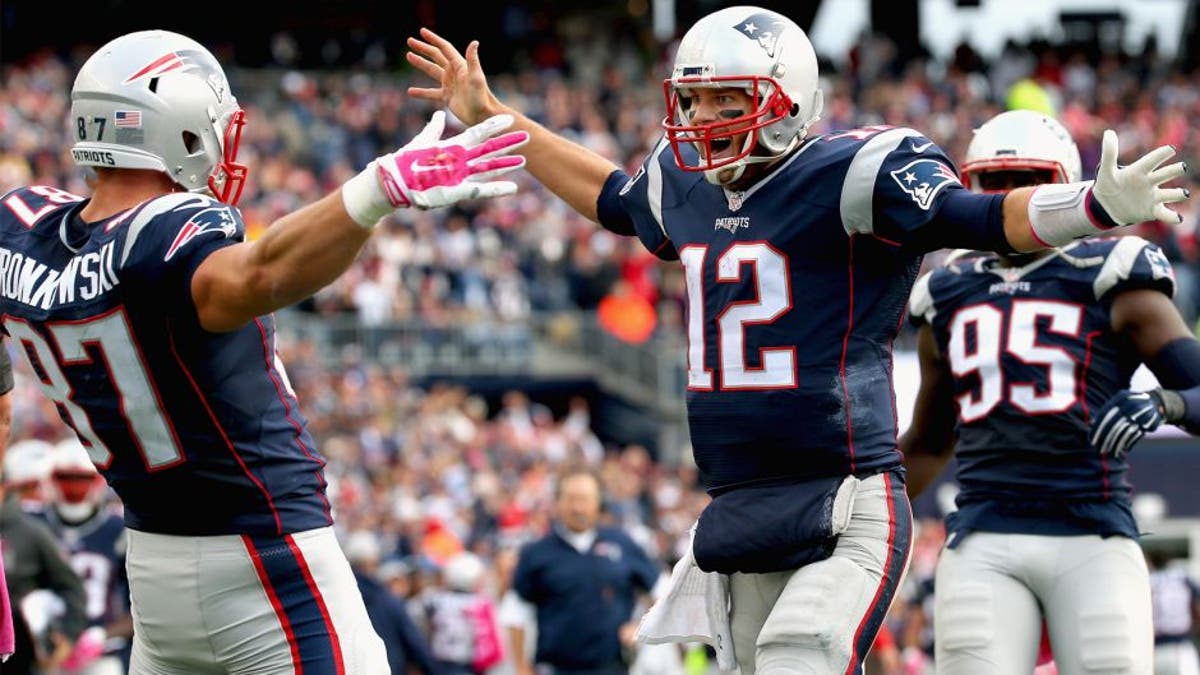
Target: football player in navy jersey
x=1021 y=356
x=93 y=539
x=799 y=253
x=147 y=318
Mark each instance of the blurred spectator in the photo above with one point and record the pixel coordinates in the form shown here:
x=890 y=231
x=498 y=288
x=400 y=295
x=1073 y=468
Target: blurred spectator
x=1176 y=601
x=464 y=634
x=581 y=580
x=625 y=314
x=884 y=657
x=27 y=471
x=407 y=650
x=46 y=594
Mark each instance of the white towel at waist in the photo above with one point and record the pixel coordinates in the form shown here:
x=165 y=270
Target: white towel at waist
x=695 y=608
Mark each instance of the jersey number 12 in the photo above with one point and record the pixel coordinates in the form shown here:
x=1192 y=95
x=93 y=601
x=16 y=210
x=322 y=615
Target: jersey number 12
x=768 y=273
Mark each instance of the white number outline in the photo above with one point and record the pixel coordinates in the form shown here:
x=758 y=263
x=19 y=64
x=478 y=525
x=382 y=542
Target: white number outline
x=138 y=398
x=777 y=369
x=1019 y=330
x=27 y=215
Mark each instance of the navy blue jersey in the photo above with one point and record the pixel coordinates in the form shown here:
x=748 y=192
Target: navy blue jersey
x=96 y=550
x=796 y=288
x=197 y=432
x=1032 y=354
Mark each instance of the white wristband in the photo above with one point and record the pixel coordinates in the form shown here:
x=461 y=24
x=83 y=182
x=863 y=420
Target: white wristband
x=364 y=198
x=1058 y=213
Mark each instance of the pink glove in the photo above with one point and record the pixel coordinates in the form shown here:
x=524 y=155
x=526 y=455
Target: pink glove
x=88 y=648
x=429 y=173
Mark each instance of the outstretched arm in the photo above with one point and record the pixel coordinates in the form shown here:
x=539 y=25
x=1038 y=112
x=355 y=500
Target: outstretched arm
x=572 y=172
x=928 y=443
x=305 y=250
x=1055 y=215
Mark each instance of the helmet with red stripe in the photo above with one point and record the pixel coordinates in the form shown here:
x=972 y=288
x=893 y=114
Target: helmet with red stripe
x=1019 y=148
x=159 y=100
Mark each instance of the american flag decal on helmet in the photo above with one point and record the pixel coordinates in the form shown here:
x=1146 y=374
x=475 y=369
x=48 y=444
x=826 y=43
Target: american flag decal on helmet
x=764 y=28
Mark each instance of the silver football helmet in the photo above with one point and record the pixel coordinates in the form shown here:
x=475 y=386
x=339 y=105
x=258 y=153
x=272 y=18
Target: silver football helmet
x=76 y=485
x=159 y=100
x=761 y=52
x=1020 y=141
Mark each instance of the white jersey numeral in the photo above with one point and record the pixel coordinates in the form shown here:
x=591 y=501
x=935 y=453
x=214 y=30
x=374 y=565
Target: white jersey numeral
x=27 y=215
x=95 y=571
x=137 y=399
x=985 y=324
x=772 y=281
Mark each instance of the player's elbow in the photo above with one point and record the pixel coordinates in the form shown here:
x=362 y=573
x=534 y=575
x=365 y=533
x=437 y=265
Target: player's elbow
x=229 y=290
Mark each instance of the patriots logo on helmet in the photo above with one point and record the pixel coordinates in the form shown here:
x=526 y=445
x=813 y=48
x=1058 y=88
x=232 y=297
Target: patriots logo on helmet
x=217 y=219
x=922 y=179
x=181 y=60
x=764 y=28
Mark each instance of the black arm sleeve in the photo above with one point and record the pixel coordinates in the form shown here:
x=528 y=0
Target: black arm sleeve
x=609 y=211
x=1177 y=364
x=965 y=220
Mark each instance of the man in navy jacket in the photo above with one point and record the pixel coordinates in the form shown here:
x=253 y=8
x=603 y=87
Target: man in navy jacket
x=406 y=646
x=583 y=581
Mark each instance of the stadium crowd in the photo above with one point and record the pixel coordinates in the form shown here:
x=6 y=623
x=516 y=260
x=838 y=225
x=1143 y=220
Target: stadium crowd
x=432 y=471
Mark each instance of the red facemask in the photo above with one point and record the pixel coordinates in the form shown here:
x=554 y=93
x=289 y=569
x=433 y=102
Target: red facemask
x=775 y=106
x=75 y=488
x=229 y=177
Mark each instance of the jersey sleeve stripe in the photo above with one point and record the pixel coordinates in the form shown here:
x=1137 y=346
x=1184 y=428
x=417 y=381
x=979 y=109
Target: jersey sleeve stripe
x=654 y=185
x=150 y=211
x=1118 y=265
x=858 y=190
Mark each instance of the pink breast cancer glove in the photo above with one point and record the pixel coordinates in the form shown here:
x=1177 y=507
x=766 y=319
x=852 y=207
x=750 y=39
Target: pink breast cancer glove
x=429 y=173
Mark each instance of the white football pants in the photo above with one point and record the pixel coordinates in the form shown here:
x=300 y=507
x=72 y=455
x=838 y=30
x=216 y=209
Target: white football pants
x=232 y=604
x=992 y=590
x=822 y=618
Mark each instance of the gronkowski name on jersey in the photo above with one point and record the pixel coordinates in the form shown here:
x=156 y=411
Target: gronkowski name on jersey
x=1033 y=354
x=796 y=288
x=197 y=432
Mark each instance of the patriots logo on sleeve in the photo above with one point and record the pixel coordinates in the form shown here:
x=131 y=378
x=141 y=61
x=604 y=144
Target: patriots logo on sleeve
x=1160 y=267
x=922 y=179
x=764 y=28
x=215 y=219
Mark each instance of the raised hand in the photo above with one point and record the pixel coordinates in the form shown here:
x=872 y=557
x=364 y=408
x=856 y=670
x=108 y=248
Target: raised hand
x=430 y=172
x=462 y=86
x=1132 y=194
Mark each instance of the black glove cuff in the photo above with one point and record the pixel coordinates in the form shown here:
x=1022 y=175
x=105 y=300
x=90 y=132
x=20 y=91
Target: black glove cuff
x=1171 y=403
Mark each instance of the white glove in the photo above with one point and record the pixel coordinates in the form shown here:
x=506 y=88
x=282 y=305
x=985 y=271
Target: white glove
x=429 y=173
x=1131 y=194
